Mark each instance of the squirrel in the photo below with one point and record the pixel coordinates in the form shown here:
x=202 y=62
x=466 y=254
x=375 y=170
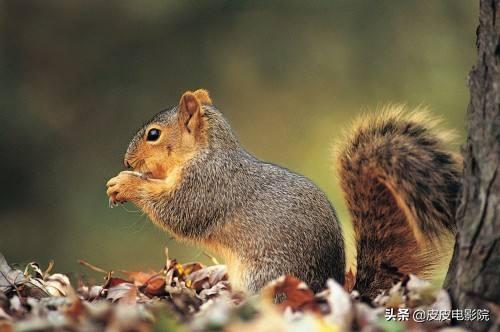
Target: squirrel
x=189 y=174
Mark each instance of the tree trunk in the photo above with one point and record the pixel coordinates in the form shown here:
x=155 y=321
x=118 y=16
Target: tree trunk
x=474 y=275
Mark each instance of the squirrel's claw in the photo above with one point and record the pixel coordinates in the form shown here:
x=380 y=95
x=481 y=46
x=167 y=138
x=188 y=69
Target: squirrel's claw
x=113 y=202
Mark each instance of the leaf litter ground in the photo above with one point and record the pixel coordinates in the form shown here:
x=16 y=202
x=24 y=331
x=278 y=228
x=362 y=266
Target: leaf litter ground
x=195 y=297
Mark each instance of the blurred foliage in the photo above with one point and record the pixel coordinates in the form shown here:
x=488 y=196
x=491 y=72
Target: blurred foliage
x=78 y=78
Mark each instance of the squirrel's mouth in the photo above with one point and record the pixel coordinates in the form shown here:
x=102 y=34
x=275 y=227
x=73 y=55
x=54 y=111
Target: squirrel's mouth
x=145 y=172
x=151 y=171
x=139 y=166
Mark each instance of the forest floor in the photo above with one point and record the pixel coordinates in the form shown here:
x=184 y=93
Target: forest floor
x=194 y=297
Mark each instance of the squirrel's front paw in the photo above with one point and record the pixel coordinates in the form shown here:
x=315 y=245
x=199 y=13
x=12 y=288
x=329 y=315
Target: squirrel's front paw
x=123 y=187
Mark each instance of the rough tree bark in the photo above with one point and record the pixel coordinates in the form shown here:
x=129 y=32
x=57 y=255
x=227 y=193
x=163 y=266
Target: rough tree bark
x=474 y=275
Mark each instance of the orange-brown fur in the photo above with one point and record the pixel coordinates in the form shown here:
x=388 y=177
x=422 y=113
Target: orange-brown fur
x=235 y=266
x=400 y=183
x=175 y=147
x=162 y=161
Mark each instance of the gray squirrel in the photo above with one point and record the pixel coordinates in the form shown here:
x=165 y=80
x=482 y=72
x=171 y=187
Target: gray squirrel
x=191 y=176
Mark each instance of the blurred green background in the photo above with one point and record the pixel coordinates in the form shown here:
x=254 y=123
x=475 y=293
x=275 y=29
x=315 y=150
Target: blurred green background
x=78 y=78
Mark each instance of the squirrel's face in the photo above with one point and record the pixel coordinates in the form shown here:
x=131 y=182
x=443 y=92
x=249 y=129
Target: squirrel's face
x=171 y=138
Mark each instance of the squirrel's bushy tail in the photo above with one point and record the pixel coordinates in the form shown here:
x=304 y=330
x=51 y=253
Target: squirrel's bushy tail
x=401 y=185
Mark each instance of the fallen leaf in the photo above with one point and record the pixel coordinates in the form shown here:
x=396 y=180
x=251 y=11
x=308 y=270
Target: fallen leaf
x=139 y=278
x=123 y=292
x=349 y=281
x=154 y=286
x=216 y=289
x=192 y=267
x=113 y=281
x=76 y=309
x=33 y=287
x=207 y=277
x=342 y=311
x=290 y=292
x=200 y=298
x=33 y=269
x=9 y=277
x=57 y=285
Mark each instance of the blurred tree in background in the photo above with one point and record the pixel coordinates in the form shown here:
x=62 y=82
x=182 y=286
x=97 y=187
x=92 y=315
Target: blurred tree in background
x=78 y=78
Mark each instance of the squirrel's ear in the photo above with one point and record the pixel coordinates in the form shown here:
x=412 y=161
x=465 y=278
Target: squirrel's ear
x=203 y=96
x=190 y=111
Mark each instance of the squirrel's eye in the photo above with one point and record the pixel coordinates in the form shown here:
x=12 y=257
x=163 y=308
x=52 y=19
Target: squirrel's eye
x=153 y=135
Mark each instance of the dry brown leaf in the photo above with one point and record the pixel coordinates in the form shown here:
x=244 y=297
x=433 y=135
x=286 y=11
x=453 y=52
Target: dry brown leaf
x=349 y=280
x=139 y=278
x=33 y=287
x=113 y=281
x=192 y=267
x=154 y=286
x=292 y=293
x=58 y=285
x=207 y=277
x=215 y=290
x=203 y=296
x=123 y=292
x=76 y=310
x=9 y=277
